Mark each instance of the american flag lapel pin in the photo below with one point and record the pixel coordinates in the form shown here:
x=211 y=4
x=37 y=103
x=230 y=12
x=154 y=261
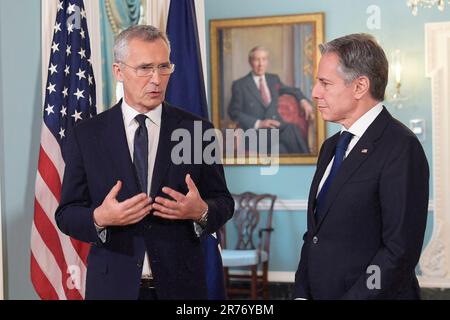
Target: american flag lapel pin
x=364 y=150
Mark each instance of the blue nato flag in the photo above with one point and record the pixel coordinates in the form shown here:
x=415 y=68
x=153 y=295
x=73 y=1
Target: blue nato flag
x=186 y=89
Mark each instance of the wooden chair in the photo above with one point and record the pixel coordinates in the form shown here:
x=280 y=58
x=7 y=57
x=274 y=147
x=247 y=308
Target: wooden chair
x=246 y=254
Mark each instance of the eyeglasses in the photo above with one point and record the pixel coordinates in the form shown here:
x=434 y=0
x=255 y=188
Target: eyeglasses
x=148 y=70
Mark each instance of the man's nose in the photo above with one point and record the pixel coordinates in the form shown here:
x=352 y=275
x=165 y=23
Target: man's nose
x=155 y=78
x=316 y=91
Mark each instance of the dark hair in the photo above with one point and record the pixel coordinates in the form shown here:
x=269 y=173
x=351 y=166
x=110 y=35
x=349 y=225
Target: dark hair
x=361 y=55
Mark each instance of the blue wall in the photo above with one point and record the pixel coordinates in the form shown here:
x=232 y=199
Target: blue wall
x=20 y=111
x=399 y=29
x=20 y=114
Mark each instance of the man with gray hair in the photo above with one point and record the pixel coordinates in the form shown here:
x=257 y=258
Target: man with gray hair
x=368 y=201
x=254 y=104
x=121 y=191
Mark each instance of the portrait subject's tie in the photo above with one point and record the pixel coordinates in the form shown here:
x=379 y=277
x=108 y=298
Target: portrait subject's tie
x=140 y=153
x=341 y=148
x=263 y=91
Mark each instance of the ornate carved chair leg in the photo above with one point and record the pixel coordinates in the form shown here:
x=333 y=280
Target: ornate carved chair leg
x=227 y=282
x=254 y=286
x=265 y=281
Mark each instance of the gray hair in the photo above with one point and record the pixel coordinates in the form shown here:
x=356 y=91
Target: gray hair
x=254 y=49
x=361 y=55
x=141 y=32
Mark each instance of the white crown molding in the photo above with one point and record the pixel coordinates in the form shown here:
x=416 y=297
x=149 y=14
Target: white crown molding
x=282 y=276
x=286 y=205
x=289 y=277
x=302 y=205
x=430 y=282
x=273 y=276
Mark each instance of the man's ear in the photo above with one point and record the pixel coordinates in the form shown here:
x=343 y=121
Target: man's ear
x=117 y=71
x=362 y=86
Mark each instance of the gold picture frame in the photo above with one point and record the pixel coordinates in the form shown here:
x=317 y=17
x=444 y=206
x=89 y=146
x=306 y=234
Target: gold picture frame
x=292 y=44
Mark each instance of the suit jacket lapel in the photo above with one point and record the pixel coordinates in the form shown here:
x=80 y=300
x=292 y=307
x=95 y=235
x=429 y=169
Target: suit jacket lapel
x=169 y=122
x=272 y=85
x=324 y=159
x=113 y=139
x=355 y=159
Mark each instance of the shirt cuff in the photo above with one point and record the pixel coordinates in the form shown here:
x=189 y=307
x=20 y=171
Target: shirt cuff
x=257 y=122
x=200 y=225
x=198 y=229
x=101 y=232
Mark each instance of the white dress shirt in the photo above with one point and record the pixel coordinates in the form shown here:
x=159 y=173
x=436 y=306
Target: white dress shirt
x=357 y=129
x=153 y=124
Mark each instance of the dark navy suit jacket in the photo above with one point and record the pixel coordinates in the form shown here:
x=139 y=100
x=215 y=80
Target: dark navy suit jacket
x=374 y=217
x=96 y=156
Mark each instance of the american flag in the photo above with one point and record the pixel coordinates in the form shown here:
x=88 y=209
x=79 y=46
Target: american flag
x=58 y=263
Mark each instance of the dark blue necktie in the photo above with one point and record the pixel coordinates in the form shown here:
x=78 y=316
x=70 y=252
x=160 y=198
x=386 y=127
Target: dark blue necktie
x=140 y=154
x=341 y=148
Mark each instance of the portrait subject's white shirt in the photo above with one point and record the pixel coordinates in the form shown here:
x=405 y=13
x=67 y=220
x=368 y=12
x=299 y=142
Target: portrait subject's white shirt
x=357 y=129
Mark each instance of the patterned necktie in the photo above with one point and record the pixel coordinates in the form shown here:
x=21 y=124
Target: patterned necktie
x=341 y=148
x=140 y=153
x=263 y=91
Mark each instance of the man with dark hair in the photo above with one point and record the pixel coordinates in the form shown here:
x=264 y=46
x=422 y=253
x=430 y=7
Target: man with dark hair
x=254 y=103
x=367 y=207
x=122 y=192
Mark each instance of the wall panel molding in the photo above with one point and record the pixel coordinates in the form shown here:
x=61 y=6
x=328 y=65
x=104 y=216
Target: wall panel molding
x=296 y=205
x=435 y=259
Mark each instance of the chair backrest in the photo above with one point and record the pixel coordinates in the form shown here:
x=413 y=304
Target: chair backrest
x=246 y=218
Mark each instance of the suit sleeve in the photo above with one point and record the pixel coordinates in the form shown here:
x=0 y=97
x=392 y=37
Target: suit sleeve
x=213 y=189
x=403 y=194
x=74 y=216
x=236 y=108
x=301 y=288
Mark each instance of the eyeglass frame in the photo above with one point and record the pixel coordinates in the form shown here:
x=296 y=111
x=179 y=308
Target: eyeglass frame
x=152 y=69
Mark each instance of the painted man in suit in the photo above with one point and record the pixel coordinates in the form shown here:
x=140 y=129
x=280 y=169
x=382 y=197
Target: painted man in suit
x=368 y=201
x=122 y=192
x=254 y=103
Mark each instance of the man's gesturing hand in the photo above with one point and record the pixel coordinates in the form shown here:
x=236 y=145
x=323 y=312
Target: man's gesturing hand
x=114 y=213
x=189 y=206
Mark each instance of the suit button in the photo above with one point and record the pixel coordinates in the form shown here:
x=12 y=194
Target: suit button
x=139 y=265
x=315 y=239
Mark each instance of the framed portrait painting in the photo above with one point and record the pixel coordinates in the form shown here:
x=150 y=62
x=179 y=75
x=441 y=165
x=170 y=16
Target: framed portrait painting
x=263 y=70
